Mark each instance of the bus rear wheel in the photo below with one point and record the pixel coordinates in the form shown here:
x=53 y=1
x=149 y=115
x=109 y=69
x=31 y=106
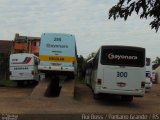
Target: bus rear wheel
x=71 y=76
x=96 y=96
x=20 y=83
x=127 y=98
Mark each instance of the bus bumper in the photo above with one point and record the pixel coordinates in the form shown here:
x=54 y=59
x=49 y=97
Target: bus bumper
x=21 y=78
x=56 y=68
x=136 y=93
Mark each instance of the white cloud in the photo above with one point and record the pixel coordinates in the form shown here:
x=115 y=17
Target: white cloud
x=87 y=19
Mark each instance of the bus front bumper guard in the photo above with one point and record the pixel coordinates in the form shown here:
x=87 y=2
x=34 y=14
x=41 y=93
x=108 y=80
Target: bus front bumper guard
x=136 y=93
x=56 y=68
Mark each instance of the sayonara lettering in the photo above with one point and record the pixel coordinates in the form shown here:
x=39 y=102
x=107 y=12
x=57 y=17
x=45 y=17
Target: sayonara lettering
x=56 y=46
x=111 y=56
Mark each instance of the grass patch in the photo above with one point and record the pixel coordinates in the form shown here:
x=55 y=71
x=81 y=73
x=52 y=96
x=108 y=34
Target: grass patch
x=7 y=83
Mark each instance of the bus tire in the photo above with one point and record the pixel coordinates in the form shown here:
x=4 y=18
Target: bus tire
x=20 y=83
x=127 y=98
x=96 y=96
x=71 y=76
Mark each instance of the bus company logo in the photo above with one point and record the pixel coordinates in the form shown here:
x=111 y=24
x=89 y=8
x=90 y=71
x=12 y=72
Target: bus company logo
x=112 y=56
x=56 y=46
x=26 y=61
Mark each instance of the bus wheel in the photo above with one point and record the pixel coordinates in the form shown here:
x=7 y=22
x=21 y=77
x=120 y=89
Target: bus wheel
x=127 y=98
x=20 y=83
x=96 y=96
x=71 y=76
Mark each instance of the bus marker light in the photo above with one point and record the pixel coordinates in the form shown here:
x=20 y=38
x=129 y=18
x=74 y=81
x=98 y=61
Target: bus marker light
x=99 y=81
x=142 y=84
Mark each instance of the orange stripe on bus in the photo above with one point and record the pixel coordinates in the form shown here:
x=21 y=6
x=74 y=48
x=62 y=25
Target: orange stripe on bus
x=56 y=58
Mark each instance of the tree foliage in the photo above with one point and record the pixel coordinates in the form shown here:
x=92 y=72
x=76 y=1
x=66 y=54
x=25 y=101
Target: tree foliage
x=81 y=66
x=143 y=8
x=91 y=55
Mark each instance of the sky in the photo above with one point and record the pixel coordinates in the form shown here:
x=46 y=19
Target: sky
x=86 y=19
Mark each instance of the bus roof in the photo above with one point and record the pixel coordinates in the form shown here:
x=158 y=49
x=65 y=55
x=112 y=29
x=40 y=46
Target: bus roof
x=27 y=54
x=57 y=34
x=125 y=46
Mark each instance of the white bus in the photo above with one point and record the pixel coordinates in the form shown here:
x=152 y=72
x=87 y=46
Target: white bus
x=23 y=67
x=149 y=73
x=149 y=68
x=117 y=70
x=58 y=54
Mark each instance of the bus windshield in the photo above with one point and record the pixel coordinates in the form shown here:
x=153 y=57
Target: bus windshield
x=123 y=56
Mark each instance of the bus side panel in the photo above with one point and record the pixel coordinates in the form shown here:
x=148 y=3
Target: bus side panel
x=94 y=79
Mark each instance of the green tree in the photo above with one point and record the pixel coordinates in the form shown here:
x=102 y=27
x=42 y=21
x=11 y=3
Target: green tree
x=81 y=67
x=1 y=56
x=143 y=8
x=91 y=55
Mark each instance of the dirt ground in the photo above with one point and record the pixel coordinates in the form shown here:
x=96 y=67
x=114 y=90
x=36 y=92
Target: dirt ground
x=15 y=92
x=18 y=101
